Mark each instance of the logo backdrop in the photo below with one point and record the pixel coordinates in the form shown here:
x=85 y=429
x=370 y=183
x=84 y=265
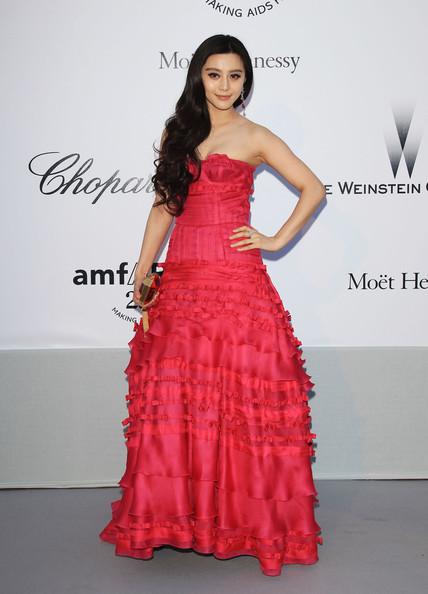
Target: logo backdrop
x=87 y=89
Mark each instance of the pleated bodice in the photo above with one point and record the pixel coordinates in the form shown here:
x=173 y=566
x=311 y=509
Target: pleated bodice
x=217 y=203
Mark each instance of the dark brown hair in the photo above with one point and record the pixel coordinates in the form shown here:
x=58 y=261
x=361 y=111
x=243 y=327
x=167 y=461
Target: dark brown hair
x=190 y=125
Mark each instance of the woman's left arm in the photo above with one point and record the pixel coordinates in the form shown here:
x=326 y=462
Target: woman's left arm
x=273 y=151
x=277 y=154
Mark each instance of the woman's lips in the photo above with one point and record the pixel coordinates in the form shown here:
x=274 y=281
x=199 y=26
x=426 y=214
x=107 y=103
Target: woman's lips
x=224 y=97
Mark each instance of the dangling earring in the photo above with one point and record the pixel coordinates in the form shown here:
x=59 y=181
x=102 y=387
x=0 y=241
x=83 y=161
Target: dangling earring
x=242 y=101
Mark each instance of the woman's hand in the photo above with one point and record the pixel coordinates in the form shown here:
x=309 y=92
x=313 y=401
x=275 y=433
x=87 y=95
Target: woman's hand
x=138 y=279
x=253 y=240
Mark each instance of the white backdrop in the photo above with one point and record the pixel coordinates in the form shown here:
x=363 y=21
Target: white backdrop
x=88 y=85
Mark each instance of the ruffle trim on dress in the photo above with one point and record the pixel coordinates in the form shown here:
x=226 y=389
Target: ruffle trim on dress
x=249 y=390
x=225 y=353
x=219 y=297
x=140 y=537
x=220 y=405
x=206 y=328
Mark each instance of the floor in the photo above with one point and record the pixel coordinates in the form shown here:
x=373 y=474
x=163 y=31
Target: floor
x=375 y=541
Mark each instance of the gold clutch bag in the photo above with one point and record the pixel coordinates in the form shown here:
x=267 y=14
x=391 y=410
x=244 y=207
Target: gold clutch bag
x=149 y=291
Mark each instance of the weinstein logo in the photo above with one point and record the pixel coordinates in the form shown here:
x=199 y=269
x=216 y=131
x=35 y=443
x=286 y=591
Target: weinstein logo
x=403 y=143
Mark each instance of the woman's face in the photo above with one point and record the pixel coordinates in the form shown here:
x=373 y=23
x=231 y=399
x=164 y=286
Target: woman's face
x=223 y=77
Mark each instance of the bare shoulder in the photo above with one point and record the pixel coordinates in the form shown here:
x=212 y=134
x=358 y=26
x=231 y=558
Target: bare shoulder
x=266 y=142
x=251 y=133
x=260 y=138
x=248 y=127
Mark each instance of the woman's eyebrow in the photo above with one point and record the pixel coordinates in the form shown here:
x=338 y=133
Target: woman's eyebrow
x=219 y=70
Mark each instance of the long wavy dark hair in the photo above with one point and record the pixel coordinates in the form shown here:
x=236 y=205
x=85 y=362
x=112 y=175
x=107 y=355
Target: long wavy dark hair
x=190 y=125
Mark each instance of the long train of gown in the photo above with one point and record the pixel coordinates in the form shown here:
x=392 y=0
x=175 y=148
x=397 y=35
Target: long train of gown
x=218 y=432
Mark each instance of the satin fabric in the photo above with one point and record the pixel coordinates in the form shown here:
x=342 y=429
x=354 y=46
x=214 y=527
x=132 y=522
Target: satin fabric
x=218 y=433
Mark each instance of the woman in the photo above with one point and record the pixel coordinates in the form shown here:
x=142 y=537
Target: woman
x=218 y=433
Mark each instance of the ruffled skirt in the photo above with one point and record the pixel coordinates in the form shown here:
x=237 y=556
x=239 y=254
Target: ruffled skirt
x=218 y=433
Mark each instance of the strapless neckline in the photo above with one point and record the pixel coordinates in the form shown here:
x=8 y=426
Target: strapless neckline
x=227 y=158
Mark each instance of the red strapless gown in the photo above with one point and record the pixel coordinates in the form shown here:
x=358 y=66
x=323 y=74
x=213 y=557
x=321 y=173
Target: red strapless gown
x=218 y=434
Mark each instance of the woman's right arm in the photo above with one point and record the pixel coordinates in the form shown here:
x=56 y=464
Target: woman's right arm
x=158 y=223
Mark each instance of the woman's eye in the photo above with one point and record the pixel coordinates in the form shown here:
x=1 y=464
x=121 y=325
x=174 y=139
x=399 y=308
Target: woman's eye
x=234 y=76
